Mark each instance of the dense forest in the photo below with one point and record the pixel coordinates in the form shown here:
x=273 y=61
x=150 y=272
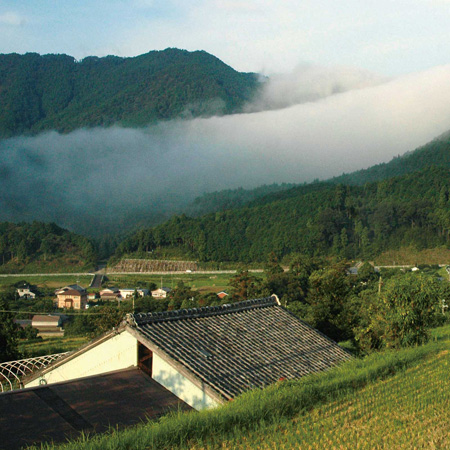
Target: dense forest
x=319 y=219
x=43 y=245
x=436 y=153
x=56 y=92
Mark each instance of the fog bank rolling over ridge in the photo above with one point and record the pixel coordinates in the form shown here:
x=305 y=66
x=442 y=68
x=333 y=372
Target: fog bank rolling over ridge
x=102 y=178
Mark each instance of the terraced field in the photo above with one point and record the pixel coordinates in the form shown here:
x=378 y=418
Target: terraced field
x=407 y=411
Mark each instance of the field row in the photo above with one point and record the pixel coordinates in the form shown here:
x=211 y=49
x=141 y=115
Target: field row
x=407 y=411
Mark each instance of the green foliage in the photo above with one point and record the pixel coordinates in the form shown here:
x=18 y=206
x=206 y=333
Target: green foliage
x=41 y=245
x=9 y=333
x=402 y=314
x=102 y=319
x=57 y=92
x=320 y=219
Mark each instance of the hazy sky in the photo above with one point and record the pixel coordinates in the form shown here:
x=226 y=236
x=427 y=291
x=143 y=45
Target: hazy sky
x=389 y=37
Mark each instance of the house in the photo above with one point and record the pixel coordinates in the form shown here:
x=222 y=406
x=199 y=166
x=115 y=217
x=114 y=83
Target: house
x=25 y=292
x=161 y=292
x=73 y=296
x=222 y=295
x=128 y=293
x=48 y=325
x=196 y=358
x=111 y=293
x=205 y=356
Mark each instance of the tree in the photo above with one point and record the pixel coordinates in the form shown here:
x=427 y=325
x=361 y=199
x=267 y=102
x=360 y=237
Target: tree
x=245 y=286
x=9 y=350
x=328 y=295
x=402 y=314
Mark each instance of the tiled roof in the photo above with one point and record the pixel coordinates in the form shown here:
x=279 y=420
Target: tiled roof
x=236 y=347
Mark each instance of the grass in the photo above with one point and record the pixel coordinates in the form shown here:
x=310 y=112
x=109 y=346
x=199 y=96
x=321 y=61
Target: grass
x=411 y=256
x=202 y=282
x=47 y=281
x=336 y=404
x=49 y=346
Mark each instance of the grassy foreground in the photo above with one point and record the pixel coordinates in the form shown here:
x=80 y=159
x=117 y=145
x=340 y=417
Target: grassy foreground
x=331 y=409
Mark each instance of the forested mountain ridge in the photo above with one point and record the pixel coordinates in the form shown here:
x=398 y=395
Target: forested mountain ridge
x=347 y=221
x=56 y=92
x=46 y=246
x=435 y=153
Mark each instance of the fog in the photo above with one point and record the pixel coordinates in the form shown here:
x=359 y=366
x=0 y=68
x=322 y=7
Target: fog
x=101 y=180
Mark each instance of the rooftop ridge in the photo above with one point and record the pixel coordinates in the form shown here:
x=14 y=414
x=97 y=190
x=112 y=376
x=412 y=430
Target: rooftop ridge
x=205 y=311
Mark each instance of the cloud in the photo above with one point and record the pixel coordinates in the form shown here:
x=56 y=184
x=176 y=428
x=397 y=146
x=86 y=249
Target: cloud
x=309 y=83
x=107 y=179
x=12 y=19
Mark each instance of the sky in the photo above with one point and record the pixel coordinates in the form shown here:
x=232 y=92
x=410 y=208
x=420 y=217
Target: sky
x=387 y=37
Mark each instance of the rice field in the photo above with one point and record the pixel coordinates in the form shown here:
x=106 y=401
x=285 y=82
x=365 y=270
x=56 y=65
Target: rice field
x=407 y=411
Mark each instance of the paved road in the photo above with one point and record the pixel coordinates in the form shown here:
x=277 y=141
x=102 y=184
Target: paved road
x=124 y=273
x=96 y=281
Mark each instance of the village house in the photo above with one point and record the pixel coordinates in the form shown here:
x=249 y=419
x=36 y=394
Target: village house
x=111 y=294
x=222 y=295
x=161 y=292
x=128 y=293
x=49 y=325
x=25 y=292
x=196 y=358
x=73 y=296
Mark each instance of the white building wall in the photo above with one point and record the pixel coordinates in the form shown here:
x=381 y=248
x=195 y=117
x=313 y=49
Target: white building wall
x=118 y=352
x=179 y=385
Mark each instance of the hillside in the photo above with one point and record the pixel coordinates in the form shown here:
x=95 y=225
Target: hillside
x=319 y=219
x=435 y=153
x=56 y=92
x=38 y=247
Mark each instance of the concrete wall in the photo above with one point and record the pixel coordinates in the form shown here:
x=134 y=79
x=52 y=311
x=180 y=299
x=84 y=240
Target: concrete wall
x=179 y=385
x=118 y=352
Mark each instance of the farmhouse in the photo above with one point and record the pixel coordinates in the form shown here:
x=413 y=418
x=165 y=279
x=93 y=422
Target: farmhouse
x=200 y=357
x=73 y=296
x=206 y=356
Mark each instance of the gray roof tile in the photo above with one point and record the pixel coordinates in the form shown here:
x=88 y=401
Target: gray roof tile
x=239 y=346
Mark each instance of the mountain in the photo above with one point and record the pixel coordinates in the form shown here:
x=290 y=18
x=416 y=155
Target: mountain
x=56 y=92
x=319 y=219
x=435 y=153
